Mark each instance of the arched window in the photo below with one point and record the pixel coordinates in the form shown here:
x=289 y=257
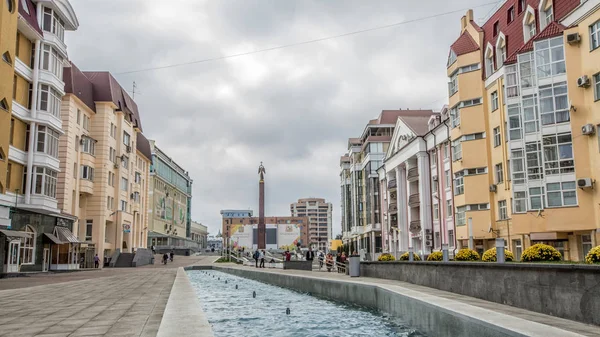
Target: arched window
x=546 y=13
x=529 y=26
x=28 y=246
x=500 y=50
x=489 y=61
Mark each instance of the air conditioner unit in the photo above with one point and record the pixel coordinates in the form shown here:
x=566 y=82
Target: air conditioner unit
x=583 y=81
x=588 y=129
x=585 y=182
x=573 y=38
x=428 y=237
x=493 y=188
x=116 y=166
x=128 y=148
x=428 y=243
x=434 y=178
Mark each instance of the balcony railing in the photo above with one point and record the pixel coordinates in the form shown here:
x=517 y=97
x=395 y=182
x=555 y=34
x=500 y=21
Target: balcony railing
x=413 y=200
x=391 y=184
x=415 y=226
x=393 y=208
x=413 y=174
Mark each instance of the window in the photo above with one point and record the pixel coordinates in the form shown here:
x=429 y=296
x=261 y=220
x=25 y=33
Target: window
x=11 y=132
x=448 y=180
x=460 y=216
x=514 y=121
x=89 y=228
x=86 y=122
x=558 y=154
x=520 y=202
x=494 y=99
x=508 y=170
x=510 y=16
x=10 y=6
x=472 y=136
x=112 y=130
x=534 y=161
x=595 y=35
x=111 y=179
x=45 y=181
x=436 y=211
x=469 y=102
x=499 y=173
x=497 y=137
x=8 y=173
x=126 y=138
x=518 y=167
x=451 y=58
x=597 y=87
x=47 y=141
x=456 y=150
x=112 y=154
x=561 y=194
x=453 y=84
x=52 y=61
x=87 y=172
x=124 y=161
x=501 y=54
x=27 y=254
x=50 y=100
x=550 y=57
x=526 y=68
x=554 y=103
x=517 y=249
x=496 y=30
x=489 y=65
x=53 y=24
x=474 y=171
x=88 y=145
x=459 y=187
x=124 y=184
x=470 y=67
x=548 y=16
x=123 y=205
x=586 y=244
x=136 y=197
x=522 y=6
x=78 y=117
x=138 y=177
x=446 y=151
x=536 y=198
x=454 y=117
x=449 y=209
x=451 y=238
x=502 y=211
x=512 y=89
x=531 y=29
x=433 y=156
x=109 y=203
x=530 y=114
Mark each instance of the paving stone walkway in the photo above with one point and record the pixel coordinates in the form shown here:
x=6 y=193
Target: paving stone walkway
x=112 y=302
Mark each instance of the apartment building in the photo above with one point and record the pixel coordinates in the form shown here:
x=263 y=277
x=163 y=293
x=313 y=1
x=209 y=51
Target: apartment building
x=40 y=235
x=360 y=184
x=513 y=104
x=170 y=201
x=104 y=164
x=319 y=213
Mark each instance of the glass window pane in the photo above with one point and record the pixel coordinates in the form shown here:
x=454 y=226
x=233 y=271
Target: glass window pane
x=570 y=198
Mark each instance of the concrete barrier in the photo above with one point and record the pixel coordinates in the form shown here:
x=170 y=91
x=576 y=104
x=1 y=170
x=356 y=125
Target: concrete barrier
x=183 y=315
x=297 y=265
x=142 y=257
x=433 y=315
x=567 y=291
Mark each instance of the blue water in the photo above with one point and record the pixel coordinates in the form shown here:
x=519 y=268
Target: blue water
x=234 y=312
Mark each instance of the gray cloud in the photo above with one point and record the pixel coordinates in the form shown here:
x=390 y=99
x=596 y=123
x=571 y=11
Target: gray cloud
x=292 y=108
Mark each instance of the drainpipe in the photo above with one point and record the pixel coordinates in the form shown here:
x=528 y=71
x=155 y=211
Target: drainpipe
x=438 y=190
x=33 y=111
x=453 y=211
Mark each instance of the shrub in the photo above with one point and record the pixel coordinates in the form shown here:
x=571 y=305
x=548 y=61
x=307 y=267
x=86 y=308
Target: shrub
x=593 y=256
x=386 y=257
x=467 y=254
x=404 y=257
x=490 y=255
x=435 y=256
x=541 y=252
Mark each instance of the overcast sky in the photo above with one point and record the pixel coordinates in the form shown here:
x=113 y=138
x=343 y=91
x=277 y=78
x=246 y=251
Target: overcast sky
x=292 y=108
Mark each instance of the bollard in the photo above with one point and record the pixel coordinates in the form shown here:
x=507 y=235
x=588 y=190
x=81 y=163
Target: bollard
x=254 y=294
x=445 y=252
x=410 y=254
x=287 y=311
x=500 y=258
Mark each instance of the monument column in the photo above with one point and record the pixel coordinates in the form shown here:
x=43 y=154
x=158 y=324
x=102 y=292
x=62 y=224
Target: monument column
x=261 y=208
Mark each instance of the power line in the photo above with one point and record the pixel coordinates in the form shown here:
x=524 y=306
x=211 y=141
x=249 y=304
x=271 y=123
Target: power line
x=305 y=42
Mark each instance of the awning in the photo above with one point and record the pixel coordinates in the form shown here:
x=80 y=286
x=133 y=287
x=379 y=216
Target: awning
x=66 y=236
x=14 y=235
x=53 y=239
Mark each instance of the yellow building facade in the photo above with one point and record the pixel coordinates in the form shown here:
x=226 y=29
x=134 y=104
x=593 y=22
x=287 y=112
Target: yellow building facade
x=524 y=96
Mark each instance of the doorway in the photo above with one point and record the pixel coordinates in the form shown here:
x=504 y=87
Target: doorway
x=46 y=259
x=14 y=248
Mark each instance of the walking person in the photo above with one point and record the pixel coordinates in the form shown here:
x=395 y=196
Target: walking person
x=153 y=250
x=310 y=255
x=262 y=259
x=165 y=258
x=321 y=259
x=256 y=256
x=96 y=261
x=171 y=255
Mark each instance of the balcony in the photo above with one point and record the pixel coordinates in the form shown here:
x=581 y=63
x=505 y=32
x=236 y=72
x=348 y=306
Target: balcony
x=413 y=174
x=415 y=226
x=391 y=184
x=413 y=200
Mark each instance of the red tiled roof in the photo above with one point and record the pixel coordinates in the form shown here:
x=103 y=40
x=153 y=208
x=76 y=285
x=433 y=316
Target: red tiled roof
x=31 y=18
x=464 y=44
x=552 y=30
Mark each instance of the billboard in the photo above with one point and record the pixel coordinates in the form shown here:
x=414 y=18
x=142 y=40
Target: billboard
x=241 y=236
x=288 y=235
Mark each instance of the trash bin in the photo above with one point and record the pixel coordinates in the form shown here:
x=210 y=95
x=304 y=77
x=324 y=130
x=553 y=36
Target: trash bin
x=354 y=265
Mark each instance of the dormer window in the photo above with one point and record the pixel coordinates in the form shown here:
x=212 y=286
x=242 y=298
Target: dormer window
x=501 y=50
x=489 y=61
x=546 y=13
x=529 y=26
x=451 y=57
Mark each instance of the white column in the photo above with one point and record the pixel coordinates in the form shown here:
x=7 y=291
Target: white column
x=403 y=233
x=33 y=125
x=424 y=197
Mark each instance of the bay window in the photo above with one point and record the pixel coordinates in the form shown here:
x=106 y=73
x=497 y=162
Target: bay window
x=520 y=202
x=561 y=194
x=45 y=182
x=514 y=121
x=558 y=154
x=50 y=100
x=126 y=138
x=454 y=117
x=88 y=145
x=550 y=57
x=453 y=84
x=460 y=216
x=534 y=160
x=554 y=103
x=530 y=114
x=52 y=61
x=526 y=72
x=459 y=183
x=536 y=198
x=518 y=167
x=512 y=89
x=52 y=23
x=456 y=150
x=87 y=173
x=47 y=141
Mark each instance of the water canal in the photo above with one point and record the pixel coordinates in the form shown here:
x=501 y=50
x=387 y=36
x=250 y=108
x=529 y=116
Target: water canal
x=236 y=312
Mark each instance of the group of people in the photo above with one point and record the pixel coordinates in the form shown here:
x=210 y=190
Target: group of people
x=259 y=255
x=329 y=259
x=167 y=257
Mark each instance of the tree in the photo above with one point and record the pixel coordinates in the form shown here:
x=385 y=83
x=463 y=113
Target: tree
x=338 y=237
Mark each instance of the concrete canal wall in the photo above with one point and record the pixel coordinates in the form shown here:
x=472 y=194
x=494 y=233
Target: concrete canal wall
x=433 y=315
x=567 y=291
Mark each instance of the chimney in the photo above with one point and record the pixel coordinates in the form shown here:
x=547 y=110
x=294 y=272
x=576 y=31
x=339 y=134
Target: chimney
x=464 y=21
